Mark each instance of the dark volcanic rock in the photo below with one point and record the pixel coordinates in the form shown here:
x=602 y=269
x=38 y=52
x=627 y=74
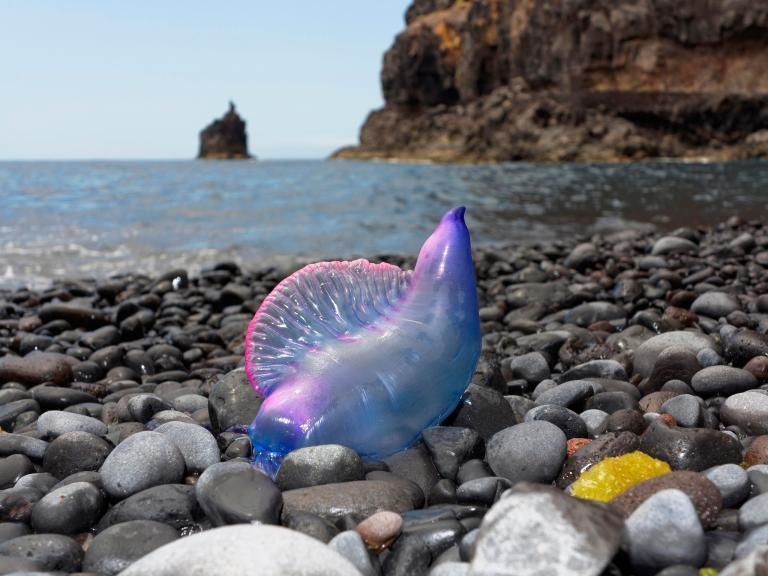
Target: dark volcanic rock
x=119 y=546
x=493 y=80
x=36 y=368
x=225 y=138
x=690 y=449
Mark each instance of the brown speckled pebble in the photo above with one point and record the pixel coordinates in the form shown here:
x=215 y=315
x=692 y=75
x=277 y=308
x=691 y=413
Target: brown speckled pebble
x=757 y=453
x=702 y=492
x=758 y=367
x=380 y=530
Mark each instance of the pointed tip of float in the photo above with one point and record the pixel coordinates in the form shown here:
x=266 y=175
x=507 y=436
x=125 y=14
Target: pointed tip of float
x=455 y=215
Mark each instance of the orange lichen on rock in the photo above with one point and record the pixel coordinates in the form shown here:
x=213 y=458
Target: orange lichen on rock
x=612 y=476
x=574 y=444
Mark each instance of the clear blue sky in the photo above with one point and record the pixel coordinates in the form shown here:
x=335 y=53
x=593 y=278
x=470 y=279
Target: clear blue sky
x=140 y=78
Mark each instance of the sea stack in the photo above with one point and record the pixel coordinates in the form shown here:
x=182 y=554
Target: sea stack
x=225 y=138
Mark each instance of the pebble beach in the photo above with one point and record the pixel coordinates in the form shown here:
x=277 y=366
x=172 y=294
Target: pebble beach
x=617 y=424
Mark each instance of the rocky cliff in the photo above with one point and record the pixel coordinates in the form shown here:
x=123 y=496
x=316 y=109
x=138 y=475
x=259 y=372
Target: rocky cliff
x=225 y=138
x=557 y=80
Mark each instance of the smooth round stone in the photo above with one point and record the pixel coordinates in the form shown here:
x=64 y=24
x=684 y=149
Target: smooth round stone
x=758 y=367
x=685 y=409
x=745 y=345
x=484 y=410
x=85 y=476
x=235 y=492
x=119 y=546
x=451 y=446
x=322 y=464
x=755 y=539
x=708 y=357
x=350 y=545
x=52 y=552
x=672 y=245
x=380 y=529
x=665 y=530
x=68 y=510
x=54 y=397
x=747 y=410
x=232 y=401
x=732 y=481
x=483 y=491
x=531 y=451
x=358 y=498
x=414 y=464
x=172 y=504
x=10 y=411
x=564 y=532
x=143 y=407
x=101 y=338
x=244 y=549
x=754 y=512
x=722 y=381
x=647 y=353
x=595 y=421
x=715 y=304
x=75 y=452
x=196 y=444
x=690 y=448
x=16 y=503
x=12 y=468
x=36 y=368
x=57 y=422
x=10 y=530
x=141 y=461
x=30 y=447
x=569 y=393
x=189 y=403
x=567 y=420
x=531 y=367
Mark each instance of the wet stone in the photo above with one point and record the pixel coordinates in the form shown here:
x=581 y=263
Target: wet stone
x=685 y=409
x=747 y=410
x=234 y=492
x=11 y=411
x=12 y=468
x=173 y=504
x=595 y=421
x=648 y=352
x=74 y=452
x=53 y=397
x=30 y=447
x=722 y=381
x=119 y=546
x=605 y=446
x=311 y=525
x=531 y=451
x=451 y=446
x=316 y=465
x=690 y=449
x=232 y=401
x=52 y=552
x=744 y=345
x=568 y=394
x=68 y=510
x=380 y=529
x=531 y=367
x=483 y=410
x=567 y=420
x=36 y=368
x=715 y=304
x=16 y=504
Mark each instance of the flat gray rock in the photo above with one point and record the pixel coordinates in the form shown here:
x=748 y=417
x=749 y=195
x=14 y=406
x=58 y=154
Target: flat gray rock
x=537 y=529
x=244 y=549
x=57 y=422
x=747 y=410
x=314 y=465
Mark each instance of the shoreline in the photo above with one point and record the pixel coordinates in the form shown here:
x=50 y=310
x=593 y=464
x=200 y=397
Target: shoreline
x=129 y=393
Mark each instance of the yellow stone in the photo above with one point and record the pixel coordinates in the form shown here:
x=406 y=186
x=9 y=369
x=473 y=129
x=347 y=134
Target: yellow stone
x=612 y=476
x=708 y=572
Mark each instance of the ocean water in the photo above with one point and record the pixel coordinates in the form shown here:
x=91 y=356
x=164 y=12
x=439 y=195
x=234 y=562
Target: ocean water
x=93 y=219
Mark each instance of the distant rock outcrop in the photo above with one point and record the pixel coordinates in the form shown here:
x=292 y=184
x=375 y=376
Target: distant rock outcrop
x=225 y=138
x=555 y=80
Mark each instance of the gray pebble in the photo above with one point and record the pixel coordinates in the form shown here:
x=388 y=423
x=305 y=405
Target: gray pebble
x=747 y=410
x=722 y=381
x=196 y=444
x=686 y=410
x=665 y=530
x=142 y=460
x=314 y=465
x=119 y=546
x=754 y=512
x=715 y=304
x=57 y=422
x=732 y=481
x=596 y=421
x=531 y=451
x=70 y=509
x=531 y=367
x=350 y=545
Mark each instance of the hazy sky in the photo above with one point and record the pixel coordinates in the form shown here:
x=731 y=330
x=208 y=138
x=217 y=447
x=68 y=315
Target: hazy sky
x=140 y=79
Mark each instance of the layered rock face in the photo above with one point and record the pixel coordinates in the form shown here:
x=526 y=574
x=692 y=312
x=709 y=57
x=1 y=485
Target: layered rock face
x=558 y=80
x=225 y=138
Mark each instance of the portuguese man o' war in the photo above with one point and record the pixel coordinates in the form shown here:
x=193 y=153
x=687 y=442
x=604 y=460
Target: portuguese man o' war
x=364 y=355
